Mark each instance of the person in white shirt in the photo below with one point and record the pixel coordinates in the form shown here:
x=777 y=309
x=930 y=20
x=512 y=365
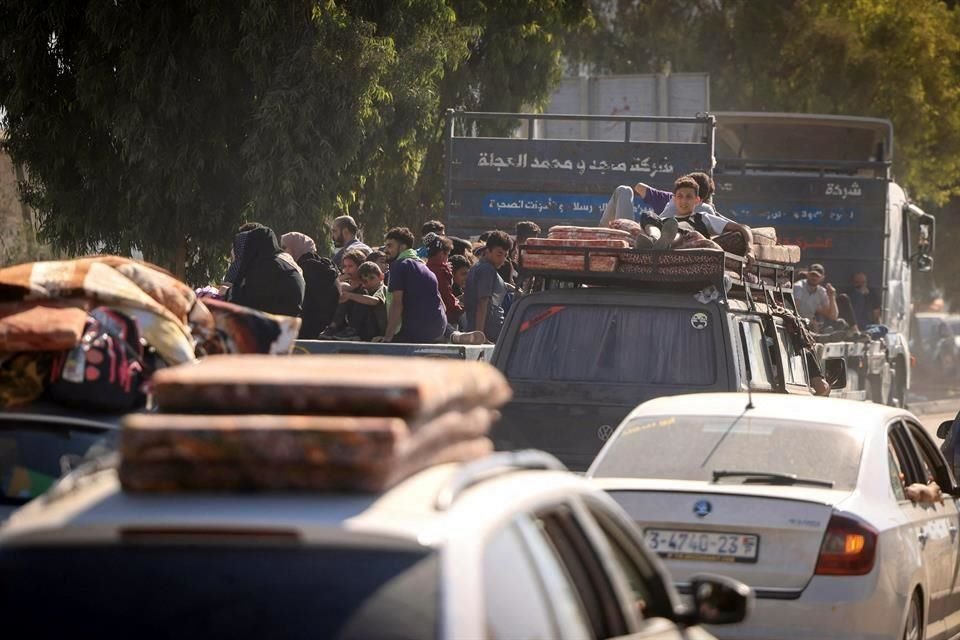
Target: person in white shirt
x=813 y=299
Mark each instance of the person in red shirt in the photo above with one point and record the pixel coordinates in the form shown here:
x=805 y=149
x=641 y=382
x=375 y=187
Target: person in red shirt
x=438 y=261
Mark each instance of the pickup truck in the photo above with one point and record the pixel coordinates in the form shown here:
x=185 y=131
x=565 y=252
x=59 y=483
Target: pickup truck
x=586 y=347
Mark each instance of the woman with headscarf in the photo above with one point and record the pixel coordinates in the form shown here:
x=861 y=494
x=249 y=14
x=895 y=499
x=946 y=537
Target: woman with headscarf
x=320 y=276
x=266 y=278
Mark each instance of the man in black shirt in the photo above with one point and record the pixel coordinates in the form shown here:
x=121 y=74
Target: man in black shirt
x=865 y=301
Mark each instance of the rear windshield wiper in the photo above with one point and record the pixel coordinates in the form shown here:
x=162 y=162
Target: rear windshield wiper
x=766 y=477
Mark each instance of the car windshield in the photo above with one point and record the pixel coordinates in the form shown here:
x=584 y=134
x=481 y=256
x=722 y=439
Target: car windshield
x=695 y=447
x=140 y=591
x=608 y=344
x=33 y=455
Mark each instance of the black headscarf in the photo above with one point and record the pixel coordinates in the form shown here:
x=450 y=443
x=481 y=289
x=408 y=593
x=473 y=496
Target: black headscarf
x=258 y=245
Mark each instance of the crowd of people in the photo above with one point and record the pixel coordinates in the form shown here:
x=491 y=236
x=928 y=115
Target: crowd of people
x=435 y=290
x=443 y=288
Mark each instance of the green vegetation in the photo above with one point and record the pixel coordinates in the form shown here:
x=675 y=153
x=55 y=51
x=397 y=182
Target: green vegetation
x=161 y=126
x=883 y=58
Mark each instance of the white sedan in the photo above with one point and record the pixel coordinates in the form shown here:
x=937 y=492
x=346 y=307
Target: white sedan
x=802 y=498
x=505 y=547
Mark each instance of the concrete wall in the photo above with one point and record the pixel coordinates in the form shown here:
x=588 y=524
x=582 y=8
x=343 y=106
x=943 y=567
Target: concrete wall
x=677 y=94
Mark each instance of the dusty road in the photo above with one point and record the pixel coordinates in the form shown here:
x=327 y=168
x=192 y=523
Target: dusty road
x=932 y=421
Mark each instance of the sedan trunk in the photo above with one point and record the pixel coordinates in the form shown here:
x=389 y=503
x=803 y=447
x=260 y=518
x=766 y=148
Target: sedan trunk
x=767 y=537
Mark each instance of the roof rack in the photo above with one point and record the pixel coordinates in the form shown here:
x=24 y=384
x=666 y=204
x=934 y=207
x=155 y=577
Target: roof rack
x=497 y=464
x=665 y=270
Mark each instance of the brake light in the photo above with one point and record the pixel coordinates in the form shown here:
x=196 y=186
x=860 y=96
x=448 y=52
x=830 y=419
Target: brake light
x=849 y=548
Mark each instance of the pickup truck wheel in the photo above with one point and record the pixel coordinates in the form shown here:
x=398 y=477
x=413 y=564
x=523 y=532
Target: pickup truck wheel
x=898 y=387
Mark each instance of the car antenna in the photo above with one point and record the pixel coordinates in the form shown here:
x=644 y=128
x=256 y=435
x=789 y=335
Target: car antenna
x=732 y=425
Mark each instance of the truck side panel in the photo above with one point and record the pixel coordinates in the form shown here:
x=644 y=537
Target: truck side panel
x=493 y=183
x=836 y=221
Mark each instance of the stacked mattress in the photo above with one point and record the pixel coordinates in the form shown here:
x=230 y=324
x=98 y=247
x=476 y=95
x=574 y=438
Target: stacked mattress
x=553 y=252
x=351 y=423
x=767 y=249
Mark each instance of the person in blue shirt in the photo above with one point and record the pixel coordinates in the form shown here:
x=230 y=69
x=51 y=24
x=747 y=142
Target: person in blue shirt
x=415 y=311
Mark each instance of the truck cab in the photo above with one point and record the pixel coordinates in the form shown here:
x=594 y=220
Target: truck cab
x=585 y=348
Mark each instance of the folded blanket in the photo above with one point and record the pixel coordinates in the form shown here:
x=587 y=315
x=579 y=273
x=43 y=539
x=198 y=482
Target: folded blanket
x=40 y=326
x=241 y=329
x=96 y=282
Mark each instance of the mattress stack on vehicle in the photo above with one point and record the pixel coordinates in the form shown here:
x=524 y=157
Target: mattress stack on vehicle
x=767 y=248
x=352 y=423
x=558 y=250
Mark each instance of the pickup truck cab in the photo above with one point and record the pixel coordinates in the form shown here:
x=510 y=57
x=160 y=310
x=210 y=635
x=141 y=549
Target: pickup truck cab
x=586 y=347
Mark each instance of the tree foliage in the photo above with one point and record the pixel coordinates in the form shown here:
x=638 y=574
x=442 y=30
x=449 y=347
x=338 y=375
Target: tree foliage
x=512 y=62
x=883 y=58
x=162 y=125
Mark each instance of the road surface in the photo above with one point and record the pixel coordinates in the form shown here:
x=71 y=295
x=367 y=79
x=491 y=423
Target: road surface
x=932 y=421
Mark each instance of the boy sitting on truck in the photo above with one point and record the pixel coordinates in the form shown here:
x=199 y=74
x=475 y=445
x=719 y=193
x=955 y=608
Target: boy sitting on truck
x=688 y=227
x=368 y=312
x=662 y=201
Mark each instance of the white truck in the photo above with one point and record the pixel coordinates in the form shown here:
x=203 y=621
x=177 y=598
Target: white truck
x=826 y=184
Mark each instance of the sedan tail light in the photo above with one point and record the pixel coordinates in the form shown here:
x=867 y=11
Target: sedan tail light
x=849 y=548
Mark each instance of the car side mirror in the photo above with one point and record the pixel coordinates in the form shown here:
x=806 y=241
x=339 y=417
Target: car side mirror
x=835 y=372
x=924 y=263
x=719 y=600
x=944 y=429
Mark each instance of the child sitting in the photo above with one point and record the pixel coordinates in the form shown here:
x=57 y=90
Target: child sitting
x=367 y=313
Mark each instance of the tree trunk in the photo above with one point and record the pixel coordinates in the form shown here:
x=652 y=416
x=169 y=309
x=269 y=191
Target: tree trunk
x=180 y=258
x=29 y=228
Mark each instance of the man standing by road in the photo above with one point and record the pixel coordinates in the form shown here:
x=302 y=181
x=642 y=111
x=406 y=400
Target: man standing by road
x=415 y=312
x=485 y=290
x=344 y=231
x=814 y=300
x=865 y=301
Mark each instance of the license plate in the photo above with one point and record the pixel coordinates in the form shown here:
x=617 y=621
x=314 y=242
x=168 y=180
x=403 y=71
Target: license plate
x=677 y=544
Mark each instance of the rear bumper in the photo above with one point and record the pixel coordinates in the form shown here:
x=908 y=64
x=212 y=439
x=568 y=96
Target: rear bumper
x=840 y=608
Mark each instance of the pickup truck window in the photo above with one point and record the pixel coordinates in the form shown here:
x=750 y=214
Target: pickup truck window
x=628 y=344
x=793 y=361
x=758 y=361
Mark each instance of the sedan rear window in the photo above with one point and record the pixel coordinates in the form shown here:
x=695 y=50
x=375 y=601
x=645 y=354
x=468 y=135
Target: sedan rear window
x=145 y=591
x=607 y=344
x=694 y=448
